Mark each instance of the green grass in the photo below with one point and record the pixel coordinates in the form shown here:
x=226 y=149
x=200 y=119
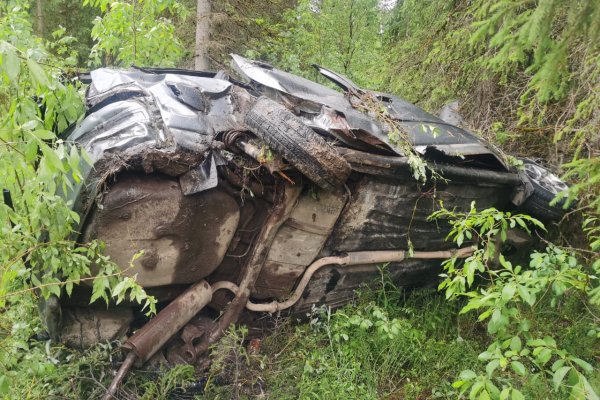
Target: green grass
x=334 y=357
x=340 y=356
x=388 y=344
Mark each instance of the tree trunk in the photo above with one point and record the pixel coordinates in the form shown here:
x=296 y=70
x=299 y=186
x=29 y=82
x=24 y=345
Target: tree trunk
x=39 y=11
x=202 y=35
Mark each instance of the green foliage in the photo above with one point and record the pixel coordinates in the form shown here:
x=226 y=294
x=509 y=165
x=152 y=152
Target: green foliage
x=556 y=43
x=537 y=35
x=585 y=173
x=338 y=34
x=136 y=32
x=394 y=344
x=39 y=170
x=528 y=57
x=373 y=349
x=72 y=19
x=512 y=294
x=168 y=381
x=527 y=74
x=37 y=255
x=426 y=57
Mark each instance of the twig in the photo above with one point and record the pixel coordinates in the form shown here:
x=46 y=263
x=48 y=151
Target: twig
x=61 y=283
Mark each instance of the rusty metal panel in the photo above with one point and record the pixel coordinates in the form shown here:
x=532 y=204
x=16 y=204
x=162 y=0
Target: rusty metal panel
x=335 y=286
x=83 y=327
x=184 y=238
x=299 y=241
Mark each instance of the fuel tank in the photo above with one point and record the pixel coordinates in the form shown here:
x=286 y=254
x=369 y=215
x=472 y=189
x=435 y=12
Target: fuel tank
x=182 y=238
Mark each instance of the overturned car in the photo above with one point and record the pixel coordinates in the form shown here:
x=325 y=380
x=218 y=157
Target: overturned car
x=272 y=194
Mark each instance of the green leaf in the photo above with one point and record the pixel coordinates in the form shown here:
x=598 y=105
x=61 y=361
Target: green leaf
x=31 y=150
x=4 y=384
x=589 y=390
x=508 y=291
x=559 y=375
x=544 y=355
x=54 y=290
x=515 y=343
x=518 y=367
x=99 y=289
x=458 y=384
x=526 y=295
x=517 y=395
x=467 y=375
x=583 y=364
x=498 y=321
x=37 y=73
x=524 y=325
x=11 y=64
x=459 y=239
x=475 y=389
x=578 y=391
x=51 y=157
x=43 y=134
x=559 y=288
x=119 y=290
x=491 y=367
x=492 y=390
x=536 y=342
x=86 y=157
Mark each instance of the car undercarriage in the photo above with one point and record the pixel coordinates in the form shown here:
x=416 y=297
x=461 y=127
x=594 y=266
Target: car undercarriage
x=273 y=195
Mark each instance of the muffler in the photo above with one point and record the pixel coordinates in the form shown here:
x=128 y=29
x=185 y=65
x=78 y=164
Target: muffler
x=152 y=336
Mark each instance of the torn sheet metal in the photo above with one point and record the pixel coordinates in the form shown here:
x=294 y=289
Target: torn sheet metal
x=200 y=178
x=166 y=121
x=423 y=128
x=159 y=122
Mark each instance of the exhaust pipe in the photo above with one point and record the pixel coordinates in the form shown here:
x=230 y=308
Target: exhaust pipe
x=152 y=336
x=354 y=258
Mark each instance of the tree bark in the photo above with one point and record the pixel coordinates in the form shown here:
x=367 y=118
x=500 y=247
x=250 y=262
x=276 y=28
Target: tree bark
x=201 y=61
x=39 y=11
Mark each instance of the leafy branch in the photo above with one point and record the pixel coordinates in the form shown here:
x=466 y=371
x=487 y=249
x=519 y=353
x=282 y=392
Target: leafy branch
x=367 y=102
x=513 y=292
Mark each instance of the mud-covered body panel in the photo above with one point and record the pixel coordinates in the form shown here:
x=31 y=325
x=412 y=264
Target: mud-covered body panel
x=386 y=213
x=182 y=238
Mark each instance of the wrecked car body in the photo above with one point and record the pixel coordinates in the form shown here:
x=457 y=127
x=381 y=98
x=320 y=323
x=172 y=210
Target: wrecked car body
x=275 y=194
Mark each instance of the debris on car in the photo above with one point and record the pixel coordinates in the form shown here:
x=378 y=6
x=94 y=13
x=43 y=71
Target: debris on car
x=270 y=195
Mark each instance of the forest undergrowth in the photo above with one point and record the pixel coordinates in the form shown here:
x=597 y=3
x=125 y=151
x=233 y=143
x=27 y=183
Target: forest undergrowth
x=387 y=344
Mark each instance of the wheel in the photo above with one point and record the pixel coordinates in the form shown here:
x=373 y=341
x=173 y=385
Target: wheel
x=546 y=186
x=302 y=147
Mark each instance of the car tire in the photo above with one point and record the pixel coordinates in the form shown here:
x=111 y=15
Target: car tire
x=546 y=186
x=302 y=147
